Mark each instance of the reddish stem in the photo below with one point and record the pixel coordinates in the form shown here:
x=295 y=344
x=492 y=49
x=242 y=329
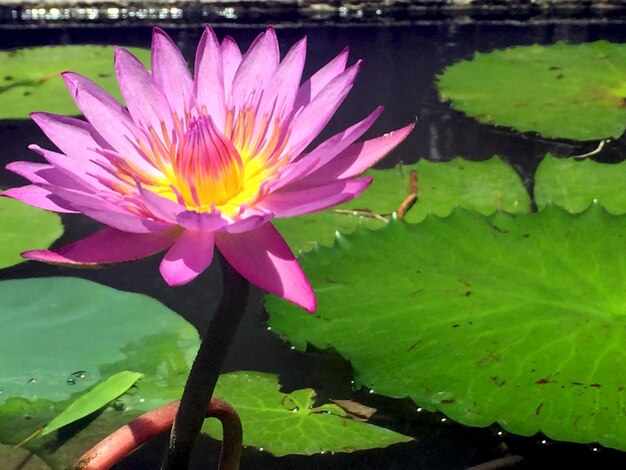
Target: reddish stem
x=119 y=444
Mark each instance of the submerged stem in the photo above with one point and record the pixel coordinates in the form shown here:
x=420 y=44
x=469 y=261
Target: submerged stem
x=206 y=368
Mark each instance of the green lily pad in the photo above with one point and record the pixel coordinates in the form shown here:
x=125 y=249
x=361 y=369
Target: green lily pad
x=575 y=184
x=23 y=227
x=519 y=320
x=484 y=186
x=31 y=81
x=60 y=336
x=291 y=423
x=562 y=90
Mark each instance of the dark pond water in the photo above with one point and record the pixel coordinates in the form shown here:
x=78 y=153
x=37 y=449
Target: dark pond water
x=400 y=65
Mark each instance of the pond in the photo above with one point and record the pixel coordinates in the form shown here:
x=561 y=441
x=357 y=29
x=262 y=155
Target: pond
x=400 y=66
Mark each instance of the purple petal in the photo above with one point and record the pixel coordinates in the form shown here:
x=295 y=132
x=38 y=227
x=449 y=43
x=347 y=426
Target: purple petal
x=87 y=174
x=107 y=246
x=162 y=208
x=281 y=91
x=305 y=201
x=249 y=219
x=320 y=79
x=208 y=85
x=201 y=221
x=325 y=152
x=39 y=197
x=307 y=124
x=263 y=257
x=40 y=173
x=108 y=212
x=146 y=103
x=106 y=115
x=74 y=137
x=357 y=158
x=256 y=69
x=294 y=171
x=231 y=59
x=170 y=72
x=188 y=257
x=29 y=170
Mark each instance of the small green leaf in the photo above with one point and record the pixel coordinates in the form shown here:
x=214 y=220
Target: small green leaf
x=484 y=186
x=575 y=184
x=99 y=396
x=562 y=90
x=283 y=424
x=31 y=78
x=23 y=227
x=515 y=319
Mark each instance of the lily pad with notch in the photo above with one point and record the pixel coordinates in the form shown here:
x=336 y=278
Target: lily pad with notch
x=292 y=423
x=576 y=184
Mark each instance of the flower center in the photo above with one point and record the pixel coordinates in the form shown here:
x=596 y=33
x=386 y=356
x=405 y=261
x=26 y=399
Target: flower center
x=207 y=170
x=204 y=169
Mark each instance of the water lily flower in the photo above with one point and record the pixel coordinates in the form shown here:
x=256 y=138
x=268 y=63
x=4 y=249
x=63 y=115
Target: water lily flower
x=194 y=162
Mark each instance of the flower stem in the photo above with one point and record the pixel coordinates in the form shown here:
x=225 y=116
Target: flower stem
x=206 y=368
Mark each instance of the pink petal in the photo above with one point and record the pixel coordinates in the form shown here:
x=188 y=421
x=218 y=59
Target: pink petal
x=281 y=91
x=170 y=72
x=304 y=201
x=249 y=219
x=324 y=152
x=84 y=172
x=357 y=158
x=208 y=85
x=146 y=103
x=40 y=173
x=188 y=257
x=39 y=197
x=231 y=59
x=108 y=212
x=307 y=124
x=124 y=221
x=107 y=246
x=162 y=208
x=74 y=137
x=294 y=171
x=320 y=79
x=256 y=69
x=330 y=148
x=263 y=257
x=201 y=221
x=107 y=116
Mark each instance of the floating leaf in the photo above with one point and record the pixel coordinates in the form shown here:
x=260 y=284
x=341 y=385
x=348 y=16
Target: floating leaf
x=23 y=227
x=31 y=81
x=563 y=90
x=575 y=184
x=96 y=398
x=285 y=424
x=515 y=319
x=60 y=336
x=483 y=186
